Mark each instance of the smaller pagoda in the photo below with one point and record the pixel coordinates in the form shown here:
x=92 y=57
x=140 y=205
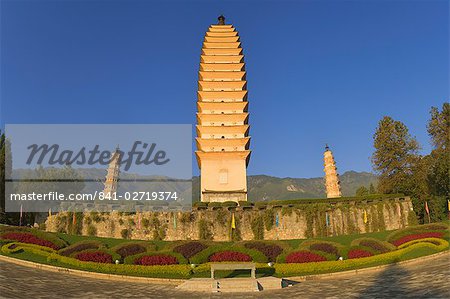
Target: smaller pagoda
x=112 y=175
x=332 y=183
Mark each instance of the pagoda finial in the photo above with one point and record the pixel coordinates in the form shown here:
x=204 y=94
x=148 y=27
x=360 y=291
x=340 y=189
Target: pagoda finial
x=327 y=148
x=221 y=19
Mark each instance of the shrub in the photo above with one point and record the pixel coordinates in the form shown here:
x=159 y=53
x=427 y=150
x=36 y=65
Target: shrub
x=286 y=270
x=304 y=257
x=125 y=233
x=94 y=256
x=229 y=204
x=92 y=230
x=79 y=246
x=190 y=249
x=151 y=260
x=51 y=237
x=325 y=247
x=28 y=238
x=214 y=204
x=438 y=242
x=433 y=227
x=356 y=253
x=373 y=245
x=203 y=256
x=377 y=246
x=204 y=230
x=132 y=248
x=257 y=226
x=230 y=256
x=160 y=256
x=166 y=271
x=271 y=251
x=408 y=238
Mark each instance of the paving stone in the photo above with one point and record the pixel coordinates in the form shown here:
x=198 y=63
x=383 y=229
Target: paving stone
x=428 y=279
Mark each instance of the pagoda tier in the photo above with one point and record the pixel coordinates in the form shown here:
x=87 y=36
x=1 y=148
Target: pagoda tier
x=222 y=131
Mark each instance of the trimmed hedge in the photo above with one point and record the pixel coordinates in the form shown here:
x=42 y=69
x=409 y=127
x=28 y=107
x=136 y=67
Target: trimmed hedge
x=332 y=250
x=304 y=256
x=131 y=260
x=80 y=246
x=271 y=251
x=60 y=243
x=359 y=252
x=133 y=248
x=435 y=241
x=190 y=249
x=289 y=270
x=167 y=271
x=376 y=246
x=203 y=256
x=424 y=228
x=93 y=253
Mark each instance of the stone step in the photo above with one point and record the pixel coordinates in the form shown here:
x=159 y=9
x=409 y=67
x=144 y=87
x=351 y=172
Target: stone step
x=236 y=285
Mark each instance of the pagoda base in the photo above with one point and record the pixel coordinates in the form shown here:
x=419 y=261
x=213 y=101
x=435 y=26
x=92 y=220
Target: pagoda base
x=217 y=196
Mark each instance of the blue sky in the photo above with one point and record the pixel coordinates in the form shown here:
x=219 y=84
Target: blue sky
x=318 y=71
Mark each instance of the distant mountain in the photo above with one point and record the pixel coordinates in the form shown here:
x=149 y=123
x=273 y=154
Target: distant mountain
x=260 y=187
x=265 y=188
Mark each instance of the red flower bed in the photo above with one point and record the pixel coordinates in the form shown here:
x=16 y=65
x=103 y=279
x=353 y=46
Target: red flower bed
x=94 y=256
x=304 y=257
x=151 y=260
x=230 y=256
x=358 y=253
x=190 y=249
x=29 y=238
x=408 y=238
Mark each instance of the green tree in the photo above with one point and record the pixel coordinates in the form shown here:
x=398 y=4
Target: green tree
x=362 y=191
x=395 y=156
x=439 y=125
x=438 y=161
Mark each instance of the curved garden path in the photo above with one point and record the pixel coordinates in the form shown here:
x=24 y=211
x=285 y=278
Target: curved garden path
x=426 y=279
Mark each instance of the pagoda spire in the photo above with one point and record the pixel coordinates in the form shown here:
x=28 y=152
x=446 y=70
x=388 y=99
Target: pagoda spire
x=112 y=175
x=332 y=183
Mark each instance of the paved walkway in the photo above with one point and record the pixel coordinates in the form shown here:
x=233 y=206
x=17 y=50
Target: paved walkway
x=429 y=279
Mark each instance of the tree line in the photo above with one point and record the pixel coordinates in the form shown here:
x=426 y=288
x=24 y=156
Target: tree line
x=401 y=169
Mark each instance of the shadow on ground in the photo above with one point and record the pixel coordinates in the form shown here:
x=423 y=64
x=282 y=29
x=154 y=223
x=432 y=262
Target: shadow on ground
x=396 y=282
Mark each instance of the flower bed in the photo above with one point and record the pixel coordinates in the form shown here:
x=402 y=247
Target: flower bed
x=156 y=258
x=230 y=256
x=28 y=238
x=304 y=257
x=373 y=245
x=166 y=271
x=51 y=237
x=151 y=260
x=79 y=246
x=190 y=249
x=325 y=247
x=133 y=248
x=441 y=243
x=204 y=255
x=289 y=270
x=418 y=229
x=94 y=256
x=271 y=251
x=356 y=253
x=417 y=236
